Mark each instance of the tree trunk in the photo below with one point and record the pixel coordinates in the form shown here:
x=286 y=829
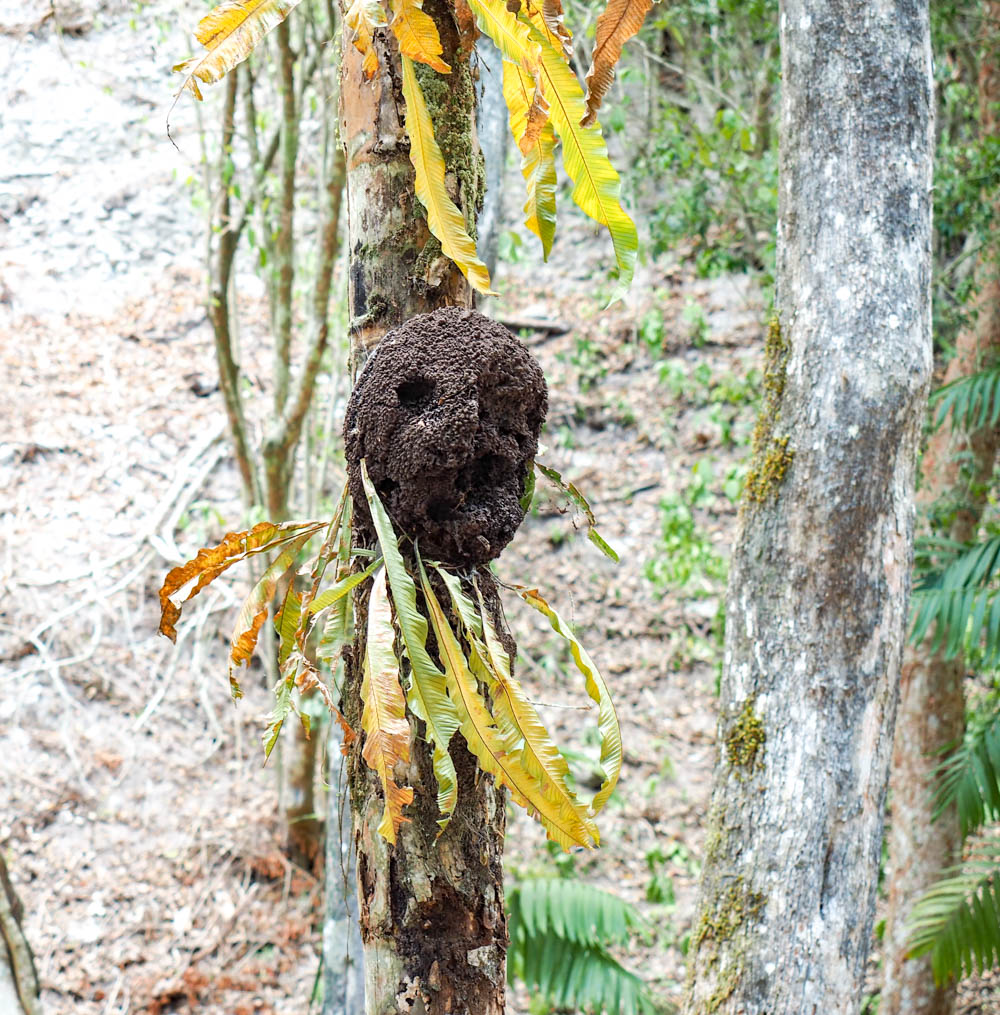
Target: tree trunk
x=957 y=469
x=18 y=980
x=431 y=909
x=819 y=585
x=343 y=972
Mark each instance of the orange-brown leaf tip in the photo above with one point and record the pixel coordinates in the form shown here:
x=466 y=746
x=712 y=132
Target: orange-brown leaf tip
x=618 y=22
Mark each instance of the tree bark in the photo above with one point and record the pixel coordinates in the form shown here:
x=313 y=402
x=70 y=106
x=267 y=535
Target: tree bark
x=18 y=979
x=431 y=909
x=956 y=472
x=819 y=585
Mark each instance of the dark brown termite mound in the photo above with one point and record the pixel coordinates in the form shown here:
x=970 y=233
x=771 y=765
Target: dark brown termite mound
x=446 y=414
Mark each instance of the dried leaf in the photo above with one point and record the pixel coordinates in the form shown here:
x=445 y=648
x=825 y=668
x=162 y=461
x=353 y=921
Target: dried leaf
x=383 y=717
x=258 y=603
x=444 y=219
x=230 y=32
x=552 y=15
x=618 y=22
x=210 y=562
x=417 y=34
x=363 y=17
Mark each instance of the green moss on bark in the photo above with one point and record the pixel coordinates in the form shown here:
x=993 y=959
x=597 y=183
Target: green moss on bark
x=771 y=455
x=722 y=917
x=451 y=102
x=745 y=739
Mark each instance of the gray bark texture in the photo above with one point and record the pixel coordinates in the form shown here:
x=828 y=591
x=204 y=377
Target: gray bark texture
x=956 y=472
x=343 y=970
x=820 y=578
x=432 y=924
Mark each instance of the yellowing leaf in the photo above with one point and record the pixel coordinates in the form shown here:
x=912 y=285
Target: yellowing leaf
x=383 y=716
x=596 y=187
x=417 y=34
x=510 y=36
x=618 y=22
x=210 y=562
x=363 y=17
x=444 y=219
x=607 y=720
x=255 y=608
x=427 y=695
x=487 y=743
x=538 y=161
x=539 y=756
x=229 y=33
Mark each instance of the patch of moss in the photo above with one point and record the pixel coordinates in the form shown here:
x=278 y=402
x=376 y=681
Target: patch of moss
x=451 y=102
x=771 y=455
x=720 y=919
x=745 y=738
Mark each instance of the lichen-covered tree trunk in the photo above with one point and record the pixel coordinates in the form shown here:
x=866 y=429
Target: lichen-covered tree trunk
x=957 y=468
x=431 y=909
x=820 y=577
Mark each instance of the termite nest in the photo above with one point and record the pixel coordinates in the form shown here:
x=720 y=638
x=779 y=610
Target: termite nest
x=446 y=414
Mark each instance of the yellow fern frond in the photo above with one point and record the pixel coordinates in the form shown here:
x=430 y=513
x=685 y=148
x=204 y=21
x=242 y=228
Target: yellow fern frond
x=510 y=35
x=538 y=160
x=596 y=187
x=444 y=219
x=417 y=34
x=383 y=717
x=230 y=32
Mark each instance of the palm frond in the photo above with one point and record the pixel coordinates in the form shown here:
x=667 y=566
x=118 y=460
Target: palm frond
x=559 y=934
x=970 y=777
x=962 y=602
x=958 y=921
x=973 y=401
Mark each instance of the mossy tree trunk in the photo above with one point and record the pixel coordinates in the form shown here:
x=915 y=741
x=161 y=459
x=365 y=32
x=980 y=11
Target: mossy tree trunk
x=820 y=577
x=431 y=909
x=957 y=470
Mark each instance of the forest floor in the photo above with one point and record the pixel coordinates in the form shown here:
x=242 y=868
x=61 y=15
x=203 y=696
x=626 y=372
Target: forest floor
x=139 y=824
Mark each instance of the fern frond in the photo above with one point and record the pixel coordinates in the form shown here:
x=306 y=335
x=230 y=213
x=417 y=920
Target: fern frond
x=958 y=921
x=970 y=777
x=962 y=602
x=973 y=401
x=559 y=933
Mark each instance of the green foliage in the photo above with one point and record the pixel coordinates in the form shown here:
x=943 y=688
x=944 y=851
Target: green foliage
x=686 y=559
x=961 y=602
x=711 y=158
x=560 y=935
x=958 y=921
x=967 y=163
x=973 y=400
x=970 y=777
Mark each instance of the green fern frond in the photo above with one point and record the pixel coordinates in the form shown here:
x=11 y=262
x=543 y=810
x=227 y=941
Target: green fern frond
x=962 y=603
x=958 y=920
x=973 y=401
x=970 y=777
x=559 y=933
